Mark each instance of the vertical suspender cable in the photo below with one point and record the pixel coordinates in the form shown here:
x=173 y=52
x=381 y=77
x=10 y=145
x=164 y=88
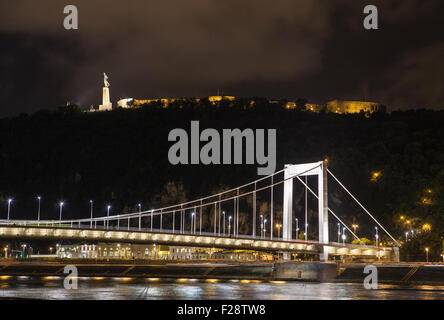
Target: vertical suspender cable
x=306 y=210
x=200 y=223
x=254 y=211
x=271 y=207
x=215 y=218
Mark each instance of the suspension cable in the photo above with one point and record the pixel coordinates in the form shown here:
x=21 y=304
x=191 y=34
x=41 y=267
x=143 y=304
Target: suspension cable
x=330 y=210
x=337 y=180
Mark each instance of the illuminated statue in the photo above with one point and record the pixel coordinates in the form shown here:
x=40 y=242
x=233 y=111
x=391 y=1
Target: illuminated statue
x=106 y=102
x=105 y=80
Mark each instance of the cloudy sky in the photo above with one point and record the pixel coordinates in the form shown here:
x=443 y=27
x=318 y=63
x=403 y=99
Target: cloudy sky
x=317 y=49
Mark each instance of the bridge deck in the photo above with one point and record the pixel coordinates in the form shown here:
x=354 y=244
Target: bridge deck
x=197 y=240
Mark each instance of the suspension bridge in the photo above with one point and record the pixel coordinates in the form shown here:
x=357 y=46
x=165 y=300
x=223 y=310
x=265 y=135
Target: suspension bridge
x=217 y=221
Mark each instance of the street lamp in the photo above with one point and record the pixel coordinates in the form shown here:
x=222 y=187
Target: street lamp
x=192 y=222
x=140 y=215
x=38 y=211
x=229 y=225
x=427 y=254
x=9 y=207
x=376 y=235
x=306 y=231
x=278 y=225
x=297 y=229
x=107 y=214
x=223 y=212
x=265 y=228
x=339 y=231
x=61 y=209
x=91 y=205
x=262 y=224
x=406 y=234
x=343 y=236
x=23 y=250
x=355 y=226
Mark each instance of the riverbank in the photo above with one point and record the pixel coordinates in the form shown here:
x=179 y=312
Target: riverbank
x=401 y=273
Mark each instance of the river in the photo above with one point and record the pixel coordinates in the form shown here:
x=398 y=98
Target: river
x=191 y=289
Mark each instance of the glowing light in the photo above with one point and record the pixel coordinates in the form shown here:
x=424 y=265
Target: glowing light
x=426 y=227
x=153 y=279
x=375 y=175
x=125 y=279
x=212 y=280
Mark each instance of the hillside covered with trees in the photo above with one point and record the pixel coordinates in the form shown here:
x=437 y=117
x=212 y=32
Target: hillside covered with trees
x=393 y=162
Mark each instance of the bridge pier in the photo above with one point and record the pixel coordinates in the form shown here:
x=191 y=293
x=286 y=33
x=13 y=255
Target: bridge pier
x=311 y=271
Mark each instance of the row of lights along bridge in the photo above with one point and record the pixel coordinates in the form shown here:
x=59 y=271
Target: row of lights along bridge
x=263 y=221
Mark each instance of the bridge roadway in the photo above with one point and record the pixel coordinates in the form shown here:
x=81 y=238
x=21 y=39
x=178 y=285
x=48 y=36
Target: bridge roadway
x=84 y=233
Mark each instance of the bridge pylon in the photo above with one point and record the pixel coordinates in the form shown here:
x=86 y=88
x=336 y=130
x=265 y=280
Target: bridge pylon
x=318 y=169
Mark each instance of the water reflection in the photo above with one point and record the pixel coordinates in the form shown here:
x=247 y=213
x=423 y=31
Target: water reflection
x=189 y=289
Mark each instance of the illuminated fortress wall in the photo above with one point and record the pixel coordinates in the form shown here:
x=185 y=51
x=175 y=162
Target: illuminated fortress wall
x=340 y=106
x=335 y=106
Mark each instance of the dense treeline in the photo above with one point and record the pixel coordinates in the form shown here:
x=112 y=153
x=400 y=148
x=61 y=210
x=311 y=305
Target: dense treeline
x=121 y=157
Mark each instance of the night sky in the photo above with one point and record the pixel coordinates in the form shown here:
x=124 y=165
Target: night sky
x=313 y=49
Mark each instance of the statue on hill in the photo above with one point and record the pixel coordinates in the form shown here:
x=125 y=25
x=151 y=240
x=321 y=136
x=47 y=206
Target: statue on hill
x=105 y=80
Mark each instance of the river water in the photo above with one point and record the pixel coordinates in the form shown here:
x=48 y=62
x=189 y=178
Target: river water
x=190 y=289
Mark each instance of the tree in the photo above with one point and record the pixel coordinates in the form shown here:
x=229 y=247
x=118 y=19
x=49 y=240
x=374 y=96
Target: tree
x=171 y=194
x=300 y=103
x=364 y=241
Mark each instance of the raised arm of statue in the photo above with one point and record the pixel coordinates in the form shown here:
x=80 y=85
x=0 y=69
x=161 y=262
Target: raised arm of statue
x=105 y=80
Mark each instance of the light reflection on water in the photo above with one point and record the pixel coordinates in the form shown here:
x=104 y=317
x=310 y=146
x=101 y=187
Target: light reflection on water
x=190 y=289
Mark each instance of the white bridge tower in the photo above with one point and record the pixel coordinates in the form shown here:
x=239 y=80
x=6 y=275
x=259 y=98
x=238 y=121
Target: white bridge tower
x=299 y=170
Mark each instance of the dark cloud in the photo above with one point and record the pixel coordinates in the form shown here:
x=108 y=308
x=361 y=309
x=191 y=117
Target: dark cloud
x=190 y=48
x=416 y=80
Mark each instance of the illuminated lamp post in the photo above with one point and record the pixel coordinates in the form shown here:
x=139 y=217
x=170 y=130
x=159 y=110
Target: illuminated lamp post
x=107 y=214
x=339 y=231
x=279 y=226
x=297 y=229
x=61 y=210
x=376 y=235
x=265 y=228
x=9 y=207
x=223 y=212
x=38 y=211
x=262 y=225
x=91 y=207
